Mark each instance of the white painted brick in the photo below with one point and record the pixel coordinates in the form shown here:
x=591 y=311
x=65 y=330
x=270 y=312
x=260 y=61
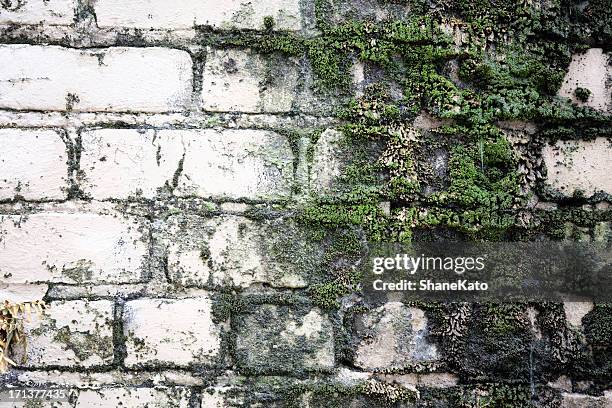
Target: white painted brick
x=591 y=70
x=238 y=80
x=230 y=255
x=32 y=164
x=579 y=165
x=119 y=163
x=118 y=79
x=76 y=333
x=50 y=12
x=185 y=14
x=234 y=164
x=253 y=164
x=71 y=248
x=159 y=397
x=179 y=332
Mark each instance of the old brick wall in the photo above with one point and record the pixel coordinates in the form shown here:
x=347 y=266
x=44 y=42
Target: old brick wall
x=176 y=182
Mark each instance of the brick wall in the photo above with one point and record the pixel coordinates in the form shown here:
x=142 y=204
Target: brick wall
x=154 y=172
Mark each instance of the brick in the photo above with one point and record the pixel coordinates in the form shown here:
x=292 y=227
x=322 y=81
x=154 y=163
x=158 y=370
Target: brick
x=591 y=70
x=586 y=401
x=158 y=397
x=244 y=81
x=327 y=164
x=252 y=164
x=117 y=79
x=33 y=165
x=71 y=248
x=49 y=12
x=579 y=165
x=119 y=163
x=186 y=14
x=233 y=164
x=277 y=338
x=75 y=334
x=392 y=337
x=177 y=332
x=234 y=251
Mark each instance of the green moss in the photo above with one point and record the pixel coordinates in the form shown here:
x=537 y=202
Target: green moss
x=582 y=94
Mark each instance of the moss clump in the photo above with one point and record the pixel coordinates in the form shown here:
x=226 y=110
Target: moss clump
x=582 y=94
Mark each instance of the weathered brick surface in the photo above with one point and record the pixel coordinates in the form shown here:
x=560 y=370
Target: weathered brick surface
x=252 y=164
x=244 y=81
x=176 y=184
x=33 y=165
x=48 y=12
x=591 y=70
x=174 y=332
x=118 y=79
x=276 y=338
x=72 y=248
x=73 y=334
x=586 y=401
x=392 y=336
x=574 y=166
x=234 y=251
x=187 y=14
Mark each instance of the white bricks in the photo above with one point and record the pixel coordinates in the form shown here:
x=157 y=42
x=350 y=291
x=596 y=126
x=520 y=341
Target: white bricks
x=159 y=397
x=579 y=166
x=593 y=71
x=231 y=255
x=251 y=164
x=185 y=14
x=50 y=12
x=71 y=248
x=114 y=80
x=178 y=332
x=75 y=333
x=119 y=163
x=243 y=81
x=33 y=164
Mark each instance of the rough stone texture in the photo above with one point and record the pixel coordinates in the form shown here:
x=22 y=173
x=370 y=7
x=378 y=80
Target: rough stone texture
x=326 y=165
x=75 y=334
x=118 y=79
x=234 y=251
x=72 y=248
x=585 y=401
x=591 y=70
x=134 y=397
x=575 y=311
x=276 y=338
x=187 y=14
x=48 y=12
x=175 y=332
x=243 y=81
x=33 y=165
x=579 y=166
x=393 y=336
